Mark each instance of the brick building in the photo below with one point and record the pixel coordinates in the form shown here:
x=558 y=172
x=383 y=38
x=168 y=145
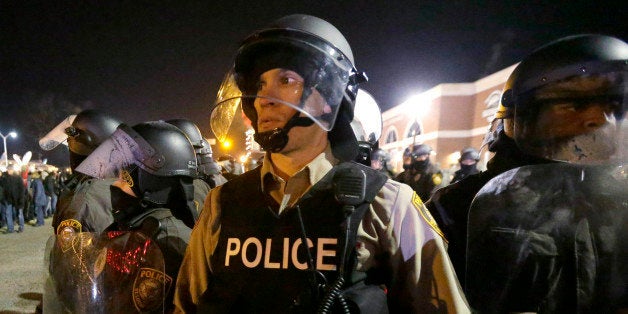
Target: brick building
x=448 y=117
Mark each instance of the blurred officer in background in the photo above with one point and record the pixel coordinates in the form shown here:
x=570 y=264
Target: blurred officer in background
x=551 y=237
x=276 y=239
x=84 y=204
x=420 y=173
x=468 y=161
x=380 y=161
x=208 y=171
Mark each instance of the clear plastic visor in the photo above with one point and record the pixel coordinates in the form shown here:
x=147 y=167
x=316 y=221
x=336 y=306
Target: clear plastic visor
x=279 y=94
x=121 y=150
x=580 y=120
x=57 y=135
x=367 y=118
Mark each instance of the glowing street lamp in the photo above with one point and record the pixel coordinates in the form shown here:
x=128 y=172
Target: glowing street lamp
x=4 y=141
x=226 y=144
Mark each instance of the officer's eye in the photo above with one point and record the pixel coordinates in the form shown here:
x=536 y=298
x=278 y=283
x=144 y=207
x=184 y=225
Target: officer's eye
x=260 y=85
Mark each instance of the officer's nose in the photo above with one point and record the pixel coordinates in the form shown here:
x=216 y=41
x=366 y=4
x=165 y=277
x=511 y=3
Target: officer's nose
x=595 y=116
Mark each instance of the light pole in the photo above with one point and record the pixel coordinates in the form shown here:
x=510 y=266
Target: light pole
x=4 y=141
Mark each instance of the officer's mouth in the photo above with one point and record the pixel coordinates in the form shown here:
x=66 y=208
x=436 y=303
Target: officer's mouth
x=266 y=124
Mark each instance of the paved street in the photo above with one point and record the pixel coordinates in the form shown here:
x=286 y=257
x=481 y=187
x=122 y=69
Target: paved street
x=22 y=268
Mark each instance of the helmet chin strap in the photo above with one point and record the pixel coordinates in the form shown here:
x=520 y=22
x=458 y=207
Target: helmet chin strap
x=276 y=139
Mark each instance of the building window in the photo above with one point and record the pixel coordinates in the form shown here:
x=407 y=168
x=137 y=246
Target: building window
x=391 y=137
x=415 y=129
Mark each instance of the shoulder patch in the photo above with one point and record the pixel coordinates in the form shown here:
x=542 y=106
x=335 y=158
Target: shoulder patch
x=420 y=207
x=150 y=289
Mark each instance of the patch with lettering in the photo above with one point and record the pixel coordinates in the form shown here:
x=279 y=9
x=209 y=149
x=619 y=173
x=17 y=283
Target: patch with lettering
x=67 y=232
x=126 y=176
x=418 y=203
x=150 y=289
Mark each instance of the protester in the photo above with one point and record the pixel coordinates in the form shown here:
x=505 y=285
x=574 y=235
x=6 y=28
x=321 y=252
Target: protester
x=40 y=200
x=15 y=195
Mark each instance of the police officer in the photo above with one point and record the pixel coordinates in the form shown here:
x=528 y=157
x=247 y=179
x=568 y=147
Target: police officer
x=208 y=172
x=297 y=82
x=554 y=233
x=83 y=203
x=468 y=161
x=156 y=164
x=380 y=160
x=450 y=205
x=420 y=173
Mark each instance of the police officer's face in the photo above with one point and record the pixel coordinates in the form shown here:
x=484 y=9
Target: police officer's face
x=468 y=162
x=575 y=107
x=287 y=86
x=421 y=157
x=281 y=84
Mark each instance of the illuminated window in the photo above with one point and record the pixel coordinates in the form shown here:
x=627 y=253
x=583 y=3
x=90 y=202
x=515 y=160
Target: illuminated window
x=415 y=129
x=391 y=137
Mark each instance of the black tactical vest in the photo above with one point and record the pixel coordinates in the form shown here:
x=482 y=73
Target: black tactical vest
x=260 y=263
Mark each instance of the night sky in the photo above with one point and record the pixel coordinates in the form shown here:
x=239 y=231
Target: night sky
x=150 y=60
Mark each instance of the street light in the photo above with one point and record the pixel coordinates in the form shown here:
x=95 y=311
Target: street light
x=4 y=141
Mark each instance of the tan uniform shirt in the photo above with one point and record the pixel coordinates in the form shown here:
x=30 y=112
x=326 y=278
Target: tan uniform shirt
x=397 y=225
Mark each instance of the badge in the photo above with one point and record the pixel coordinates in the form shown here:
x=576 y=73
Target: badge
x=418 y=203
x=67 y=232
x=150 y=289
x=126 y=176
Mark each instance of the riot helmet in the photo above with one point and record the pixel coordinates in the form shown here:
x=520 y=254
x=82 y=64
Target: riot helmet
x=155 y=159
x=380 y=159
x=205 y=163
x=420 y=156
x=190 y=130
x=152 y=151
x=323 y=91
x=83 y=133
x=566 y=101
x=470 y=154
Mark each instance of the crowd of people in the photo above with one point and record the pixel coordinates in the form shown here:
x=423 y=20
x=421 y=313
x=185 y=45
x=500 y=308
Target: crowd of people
x=27 y=197
x=150 y=222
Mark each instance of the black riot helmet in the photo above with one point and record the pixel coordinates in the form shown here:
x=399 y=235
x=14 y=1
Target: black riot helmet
x=421 y=156
x=205 y=162
x=83 y=133
x=319 y=53
x=469 y=153
x=158 y=149
x=566 y=101
x=190 y=129
x=157 y=161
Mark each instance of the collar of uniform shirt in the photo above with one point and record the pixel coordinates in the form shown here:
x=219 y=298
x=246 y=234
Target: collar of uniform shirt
x=288 y=193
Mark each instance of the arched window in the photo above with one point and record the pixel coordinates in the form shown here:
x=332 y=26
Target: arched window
x=415 y=129
x=391 y=137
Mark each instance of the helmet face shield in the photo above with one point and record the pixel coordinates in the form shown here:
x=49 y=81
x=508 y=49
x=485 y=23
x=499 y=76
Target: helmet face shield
x=367 y=118
x=57 y=135
x=578 y=120
x=120 y=151
x=280 y=67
